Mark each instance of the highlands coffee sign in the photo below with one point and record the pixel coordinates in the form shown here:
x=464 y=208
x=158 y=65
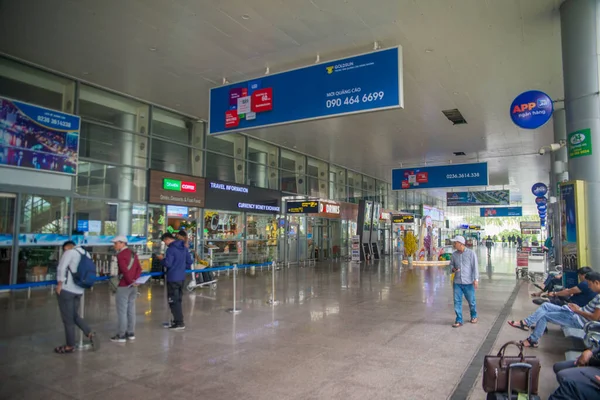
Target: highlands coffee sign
x=175 y=189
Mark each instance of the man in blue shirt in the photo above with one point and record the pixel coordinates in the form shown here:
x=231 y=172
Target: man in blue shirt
x=466 y=279
x=580 y=294
x=176 y=260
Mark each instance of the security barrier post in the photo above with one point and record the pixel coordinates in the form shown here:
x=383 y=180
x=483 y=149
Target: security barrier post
x=234 y=310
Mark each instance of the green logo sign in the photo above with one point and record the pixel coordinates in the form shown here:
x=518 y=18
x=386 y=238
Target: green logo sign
x=171 y=184
x=580 y=143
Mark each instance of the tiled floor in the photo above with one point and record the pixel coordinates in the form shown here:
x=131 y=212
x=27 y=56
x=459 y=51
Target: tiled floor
x=339 y=331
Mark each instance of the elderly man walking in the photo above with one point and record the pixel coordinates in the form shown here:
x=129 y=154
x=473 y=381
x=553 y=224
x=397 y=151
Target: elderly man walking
x=466 y=279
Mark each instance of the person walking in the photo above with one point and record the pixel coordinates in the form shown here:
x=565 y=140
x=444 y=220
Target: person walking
x=129 y=271
x=69 y=298
x=466 y=279
x=176 y=260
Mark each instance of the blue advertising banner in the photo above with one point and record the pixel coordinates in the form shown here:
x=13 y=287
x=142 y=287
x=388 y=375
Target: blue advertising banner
x=50 y=239
x=541 y=201
x=454 y=175
x=363 y=83
x=531 y=109
x=483 y=198
x=501 y=212
x=38 y=138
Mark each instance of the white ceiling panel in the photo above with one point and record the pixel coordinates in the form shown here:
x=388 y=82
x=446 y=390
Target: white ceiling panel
x=474 y=55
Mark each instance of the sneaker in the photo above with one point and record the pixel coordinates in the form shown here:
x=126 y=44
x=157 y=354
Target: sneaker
x=130 y=336
x=177 y=327
x=118 y=339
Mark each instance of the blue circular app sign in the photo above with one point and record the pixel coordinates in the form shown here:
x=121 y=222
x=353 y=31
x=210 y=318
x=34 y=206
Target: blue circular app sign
x=541 y=201
x=539 y=189
x=531 y=109
x=541 y=208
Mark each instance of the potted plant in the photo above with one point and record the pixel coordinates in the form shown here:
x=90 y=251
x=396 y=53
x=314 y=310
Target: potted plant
x=410 y=246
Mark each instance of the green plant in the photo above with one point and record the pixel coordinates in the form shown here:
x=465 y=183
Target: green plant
x=410 y=244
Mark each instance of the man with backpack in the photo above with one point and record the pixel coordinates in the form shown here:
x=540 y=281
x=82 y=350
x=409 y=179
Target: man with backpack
x=75 y=272
x=176 y=260
x=126 y=294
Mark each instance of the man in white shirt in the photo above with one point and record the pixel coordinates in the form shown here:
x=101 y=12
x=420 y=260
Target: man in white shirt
x=69 y=297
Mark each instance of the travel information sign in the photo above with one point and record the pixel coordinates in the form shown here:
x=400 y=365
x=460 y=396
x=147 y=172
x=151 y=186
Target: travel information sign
x=454 y=175
x=363 y=83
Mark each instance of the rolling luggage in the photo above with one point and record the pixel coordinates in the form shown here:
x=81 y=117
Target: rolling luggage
x=497 y=371
x=508 y=395
x=208 y=276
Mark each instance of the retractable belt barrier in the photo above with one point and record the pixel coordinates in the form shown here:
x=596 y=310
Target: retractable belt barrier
x=29 y=285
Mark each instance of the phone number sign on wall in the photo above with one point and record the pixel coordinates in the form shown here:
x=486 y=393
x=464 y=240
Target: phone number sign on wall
x=363 y=83
x=455 y=175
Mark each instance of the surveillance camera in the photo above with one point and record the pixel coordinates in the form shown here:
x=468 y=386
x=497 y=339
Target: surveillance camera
x=542 y=151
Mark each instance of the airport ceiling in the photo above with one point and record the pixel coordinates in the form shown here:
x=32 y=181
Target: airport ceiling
x=473 y=55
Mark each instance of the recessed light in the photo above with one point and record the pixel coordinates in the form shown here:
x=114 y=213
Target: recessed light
x=177 y=105
x=428 y=51
x=152 y=48
x=456 y=93
x=245 y=16
x=85 y=73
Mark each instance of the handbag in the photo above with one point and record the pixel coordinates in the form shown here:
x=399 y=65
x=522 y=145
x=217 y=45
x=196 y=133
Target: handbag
x=496 y=367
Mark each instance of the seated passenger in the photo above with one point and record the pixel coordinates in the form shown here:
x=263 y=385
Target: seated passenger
x=549 y=284
x=580 y=294
x=589 y=358
x=577 y=384
x=571 y=315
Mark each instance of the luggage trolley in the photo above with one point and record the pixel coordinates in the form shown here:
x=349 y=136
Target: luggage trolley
x=204 y=279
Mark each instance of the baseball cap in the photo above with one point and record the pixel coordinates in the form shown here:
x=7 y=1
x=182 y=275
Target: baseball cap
x=459 y=239
x=120 y=238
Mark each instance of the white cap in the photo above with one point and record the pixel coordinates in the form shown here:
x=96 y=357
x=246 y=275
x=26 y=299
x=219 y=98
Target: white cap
x=459 y=239
x=120 y=238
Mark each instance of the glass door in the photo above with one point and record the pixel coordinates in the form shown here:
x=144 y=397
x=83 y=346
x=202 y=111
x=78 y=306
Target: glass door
x=7 y=222
x=293 y=248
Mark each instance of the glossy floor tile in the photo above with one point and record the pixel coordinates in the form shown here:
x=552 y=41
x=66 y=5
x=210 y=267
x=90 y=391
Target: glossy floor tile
x=338 y=331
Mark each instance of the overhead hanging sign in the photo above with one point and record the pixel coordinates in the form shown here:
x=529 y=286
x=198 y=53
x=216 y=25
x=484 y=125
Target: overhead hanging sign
x=501 y=212
x=539 y=189
x=531 y=109
x=363 y=83
x=38 y=138
x=579 y=143
x=530 y=224
x=455 y=175
x=403 y=219
x=483 y=198
x=302 y=207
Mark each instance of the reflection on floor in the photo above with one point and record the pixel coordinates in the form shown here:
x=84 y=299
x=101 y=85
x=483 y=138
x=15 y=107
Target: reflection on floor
x=339 y=331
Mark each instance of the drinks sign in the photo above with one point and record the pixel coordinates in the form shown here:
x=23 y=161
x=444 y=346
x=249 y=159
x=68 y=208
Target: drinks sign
x=175 y=189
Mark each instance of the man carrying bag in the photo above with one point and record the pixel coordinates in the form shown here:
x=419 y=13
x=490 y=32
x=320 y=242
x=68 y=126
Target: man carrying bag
x=126 y=292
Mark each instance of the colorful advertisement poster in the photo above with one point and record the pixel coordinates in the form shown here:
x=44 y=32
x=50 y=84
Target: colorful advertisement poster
x=38 y=138
x=579 y=143
x=501 y=212
x=363 y=83
x=483 y=198
x=454 y=175
x=572 y=232
x=51 y=239
x=531 y=109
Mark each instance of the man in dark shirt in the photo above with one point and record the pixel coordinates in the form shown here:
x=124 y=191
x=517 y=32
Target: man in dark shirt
x=580 y=294
x=580 y=379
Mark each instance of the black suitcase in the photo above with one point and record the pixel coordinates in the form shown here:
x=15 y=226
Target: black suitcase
x=208 y=276
x=198 y=278
x=514 y=396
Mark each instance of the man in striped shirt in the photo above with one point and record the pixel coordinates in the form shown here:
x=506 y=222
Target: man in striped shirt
x=570 y=315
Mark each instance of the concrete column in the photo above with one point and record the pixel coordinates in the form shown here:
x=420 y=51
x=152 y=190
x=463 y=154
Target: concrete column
x=580 y=52
x=126 y=143
x=558 y=173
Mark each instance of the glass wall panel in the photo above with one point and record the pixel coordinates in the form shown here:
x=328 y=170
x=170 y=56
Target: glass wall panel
x=7 y=224
x=263 y=160
x=224 y=234
x=292 y=182
x=109 y=181
x=103 y=143
x=224 y=168
x=171 y=157
x=293 y=161
x=337 y=183
x=24 y=83
x=355 y=192
x=173 y=127
x=261 y=233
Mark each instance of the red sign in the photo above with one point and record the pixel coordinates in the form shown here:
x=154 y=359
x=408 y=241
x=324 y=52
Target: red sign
x=522 y=259
x=189 y=187
x=405 y=185
x=232 y=120
x=262 y=100
x=422 y=177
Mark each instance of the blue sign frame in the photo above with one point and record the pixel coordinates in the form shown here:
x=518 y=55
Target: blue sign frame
x=358 y=84
x=454 y=175
x=539 y=189
x=479 y=198
x=490 y=212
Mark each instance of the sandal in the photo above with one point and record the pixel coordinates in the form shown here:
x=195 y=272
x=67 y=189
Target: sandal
x=457 y=325
x=474 y=320
x=518 y=325
x=64 y=350
x=528 y=343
